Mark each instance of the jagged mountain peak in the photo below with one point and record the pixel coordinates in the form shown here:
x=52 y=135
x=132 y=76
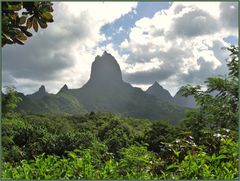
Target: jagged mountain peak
x=106 y=53
x=42 y=89
x=156 y=85
x=158 y=91
x=105 y=69
x=64 y=88
x=40 y=93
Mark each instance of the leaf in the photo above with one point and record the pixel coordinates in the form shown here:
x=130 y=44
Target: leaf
x=15 y=7
x=24 y=30
x=21 y=37
x=22 y=20
x=221 y=157
x=172 y=166
x=47 y=16
x=35 y=24
x=18 y=41
x=72 y=155
x=50 y=9
x=13 y=16
x=29 y=22
x=6 y=39
x=27 y=33
x=42 y=24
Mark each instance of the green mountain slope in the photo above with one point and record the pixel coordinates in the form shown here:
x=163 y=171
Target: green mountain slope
x=62 y=103
x=104 y=92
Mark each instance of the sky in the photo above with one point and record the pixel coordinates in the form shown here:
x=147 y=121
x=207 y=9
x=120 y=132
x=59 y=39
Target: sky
x=173 y=43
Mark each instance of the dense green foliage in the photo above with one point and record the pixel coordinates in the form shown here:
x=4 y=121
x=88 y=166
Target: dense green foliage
x=59 y=104
x=204 y=145
x=107 y=146
x=10 y=101
x=136 y=163
x=15 y=26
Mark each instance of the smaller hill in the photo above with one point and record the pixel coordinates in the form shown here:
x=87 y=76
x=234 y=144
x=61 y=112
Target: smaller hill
x=159 y=92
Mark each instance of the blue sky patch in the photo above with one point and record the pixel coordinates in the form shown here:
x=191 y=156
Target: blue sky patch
x=231 y=39
x=119 y=29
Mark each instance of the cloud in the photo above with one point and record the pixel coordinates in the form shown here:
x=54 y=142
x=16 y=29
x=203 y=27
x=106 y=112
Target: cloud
x=62 y=53
x=102 y=12
x=176 y=46
x=35 y=64
x=229 y=14
x=6 y=77
x=194 y=23
x=147 y=77
x=186 y=40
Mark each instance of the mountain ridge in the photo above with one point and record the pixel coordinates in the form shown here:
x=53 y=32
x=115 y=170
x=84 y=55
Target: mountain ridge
x=105 y=91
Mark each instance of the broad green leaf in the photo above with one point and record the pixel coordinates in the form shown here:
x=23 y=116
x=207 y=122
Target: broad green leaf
x=35 y=24
x=27 y=33
x=47 y=16
x=29 y=22
x=42 y=24
x=221 y=157
x=21 y=37
x=172 y=166
x=22 y=20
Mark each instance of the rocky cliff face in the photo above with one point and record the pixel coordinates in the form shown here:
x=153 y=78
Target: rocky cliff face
x=105 y=69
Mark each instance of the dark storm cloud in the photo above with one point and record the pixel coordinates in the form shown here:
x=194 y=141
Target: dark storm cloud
x=198 y=76
x=229 y=14
x=194 y=23
x=171 y=64
x=35 y=65
x=147 y=77
x=45 y=55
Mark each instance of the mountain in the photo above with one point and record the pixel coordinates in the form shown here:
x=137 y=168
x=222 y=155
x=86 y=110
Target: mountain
x=41 y=102
x=63 y=89
x=39 y=94
x=159 y=92
x=105 y=69
x=105 y=91
x=184 y=101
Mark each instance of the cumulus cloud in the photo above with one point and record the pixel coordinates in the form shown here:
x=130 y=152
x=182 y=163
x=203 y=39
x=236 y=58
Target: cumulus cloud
x=186 y=39
x=64 y=51
x=194 y=23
